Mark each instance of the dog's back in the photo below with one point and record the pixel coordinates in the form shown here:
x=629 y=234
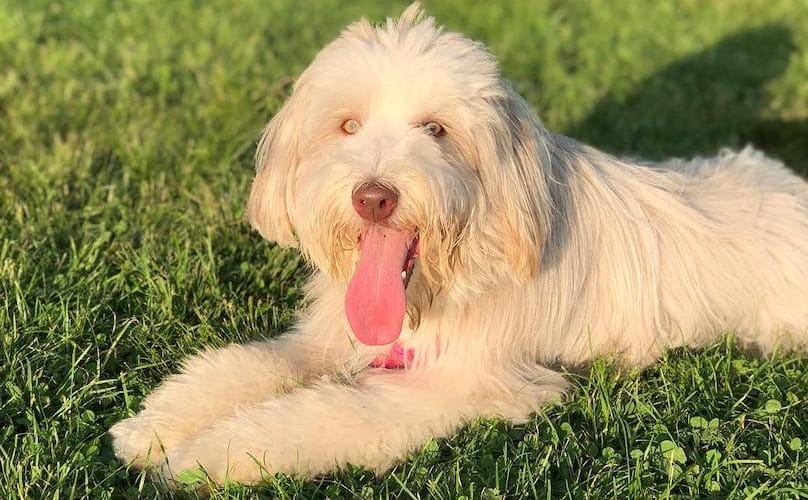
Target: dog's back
x=752 y=260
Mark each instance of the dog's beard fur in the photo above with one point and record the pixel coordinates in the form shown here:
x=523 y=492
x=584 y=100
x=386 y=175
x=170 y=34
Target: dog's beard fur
x=437 y=201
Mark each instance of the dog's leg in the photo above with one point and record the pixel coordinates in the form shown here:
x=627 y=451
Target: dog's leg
x=371 y=423
x=213 y=384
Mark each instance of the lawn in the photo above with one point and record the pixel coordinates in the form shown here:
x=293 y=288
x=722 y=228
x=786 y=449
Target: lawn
x=127 y=131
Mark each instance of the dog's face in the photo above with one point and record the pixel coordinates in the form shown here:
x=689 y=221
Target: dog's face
x=405 y=166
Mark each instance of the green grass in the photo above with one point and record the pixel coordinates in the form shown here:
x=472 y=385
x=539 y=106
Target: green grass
x=126 y=136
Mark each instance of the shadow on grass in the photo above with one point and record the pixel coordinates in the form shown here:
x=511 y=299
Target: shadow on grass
x=711 y=99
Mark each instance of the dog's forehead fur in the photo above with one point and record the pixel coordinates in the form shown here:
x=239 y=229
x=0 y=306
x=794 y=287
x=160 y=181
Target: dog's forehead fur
x=406 y=69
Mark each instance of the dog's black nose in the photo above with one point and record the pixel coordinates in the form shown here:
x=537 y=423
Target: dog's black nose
x=374 y=202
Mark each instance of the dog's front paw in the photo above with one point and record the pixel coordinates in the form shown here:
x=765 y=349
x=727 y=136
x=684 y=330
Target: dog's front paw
x=221 y=455
x=216 y=462
x=137 y=442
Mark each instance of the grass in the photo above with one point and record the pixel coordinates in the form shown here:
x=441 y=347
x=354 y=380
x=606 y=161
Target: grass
x=126 y=136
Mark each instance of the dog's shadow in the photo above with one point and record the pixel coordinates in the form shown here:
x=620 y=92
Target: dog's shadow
x=712 y=99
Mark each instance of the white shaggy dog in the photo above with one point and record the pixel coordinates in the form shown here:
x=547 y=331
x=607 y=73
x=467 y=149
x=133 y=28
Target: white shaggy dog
x=461 y=251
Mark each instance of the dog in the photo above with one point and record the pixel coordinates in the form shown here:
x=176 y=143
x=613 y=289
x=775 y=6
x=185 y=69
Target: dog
x=464 y=255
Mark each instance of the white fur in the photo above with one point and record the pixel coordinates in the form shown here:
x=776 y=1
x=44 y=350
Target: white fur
x=536 y=251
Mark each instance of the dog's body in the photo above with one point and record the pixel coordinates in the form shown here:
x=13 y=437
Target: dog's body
x=521 y=250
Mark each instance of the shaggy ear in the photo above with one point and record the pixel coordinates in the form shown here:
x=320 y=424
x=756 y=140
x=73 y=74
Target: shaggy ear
x=275 y=161
x=514 y=172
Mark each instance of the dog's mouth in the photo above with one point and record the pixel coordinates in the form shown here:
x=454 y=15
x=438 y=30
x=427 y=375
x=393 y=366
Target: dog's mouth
x=375 y=301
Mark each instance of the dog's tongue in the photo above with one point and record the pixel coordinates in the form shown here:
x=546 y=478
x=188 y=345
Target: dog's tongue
x=375 y=302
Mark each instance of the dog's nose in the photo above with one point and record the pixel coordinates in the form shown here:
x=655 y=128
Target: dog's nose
x=374 y=202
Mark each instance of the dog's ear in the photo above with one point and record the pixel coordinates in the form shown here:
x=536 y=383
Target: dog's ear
x=515 y=184
x=275 y=162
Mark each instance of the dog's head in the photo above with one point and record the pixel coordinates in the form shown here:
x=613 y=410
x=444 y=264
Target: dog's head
x=405 y=166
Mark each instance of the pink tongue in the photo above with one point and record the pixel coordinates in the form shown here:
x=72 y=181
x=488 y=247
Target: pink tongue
x=375 y=302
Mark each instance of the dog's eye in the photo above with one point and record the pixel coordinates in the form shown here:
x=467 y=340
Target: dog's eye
x=350 y=126
x=434 y=129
